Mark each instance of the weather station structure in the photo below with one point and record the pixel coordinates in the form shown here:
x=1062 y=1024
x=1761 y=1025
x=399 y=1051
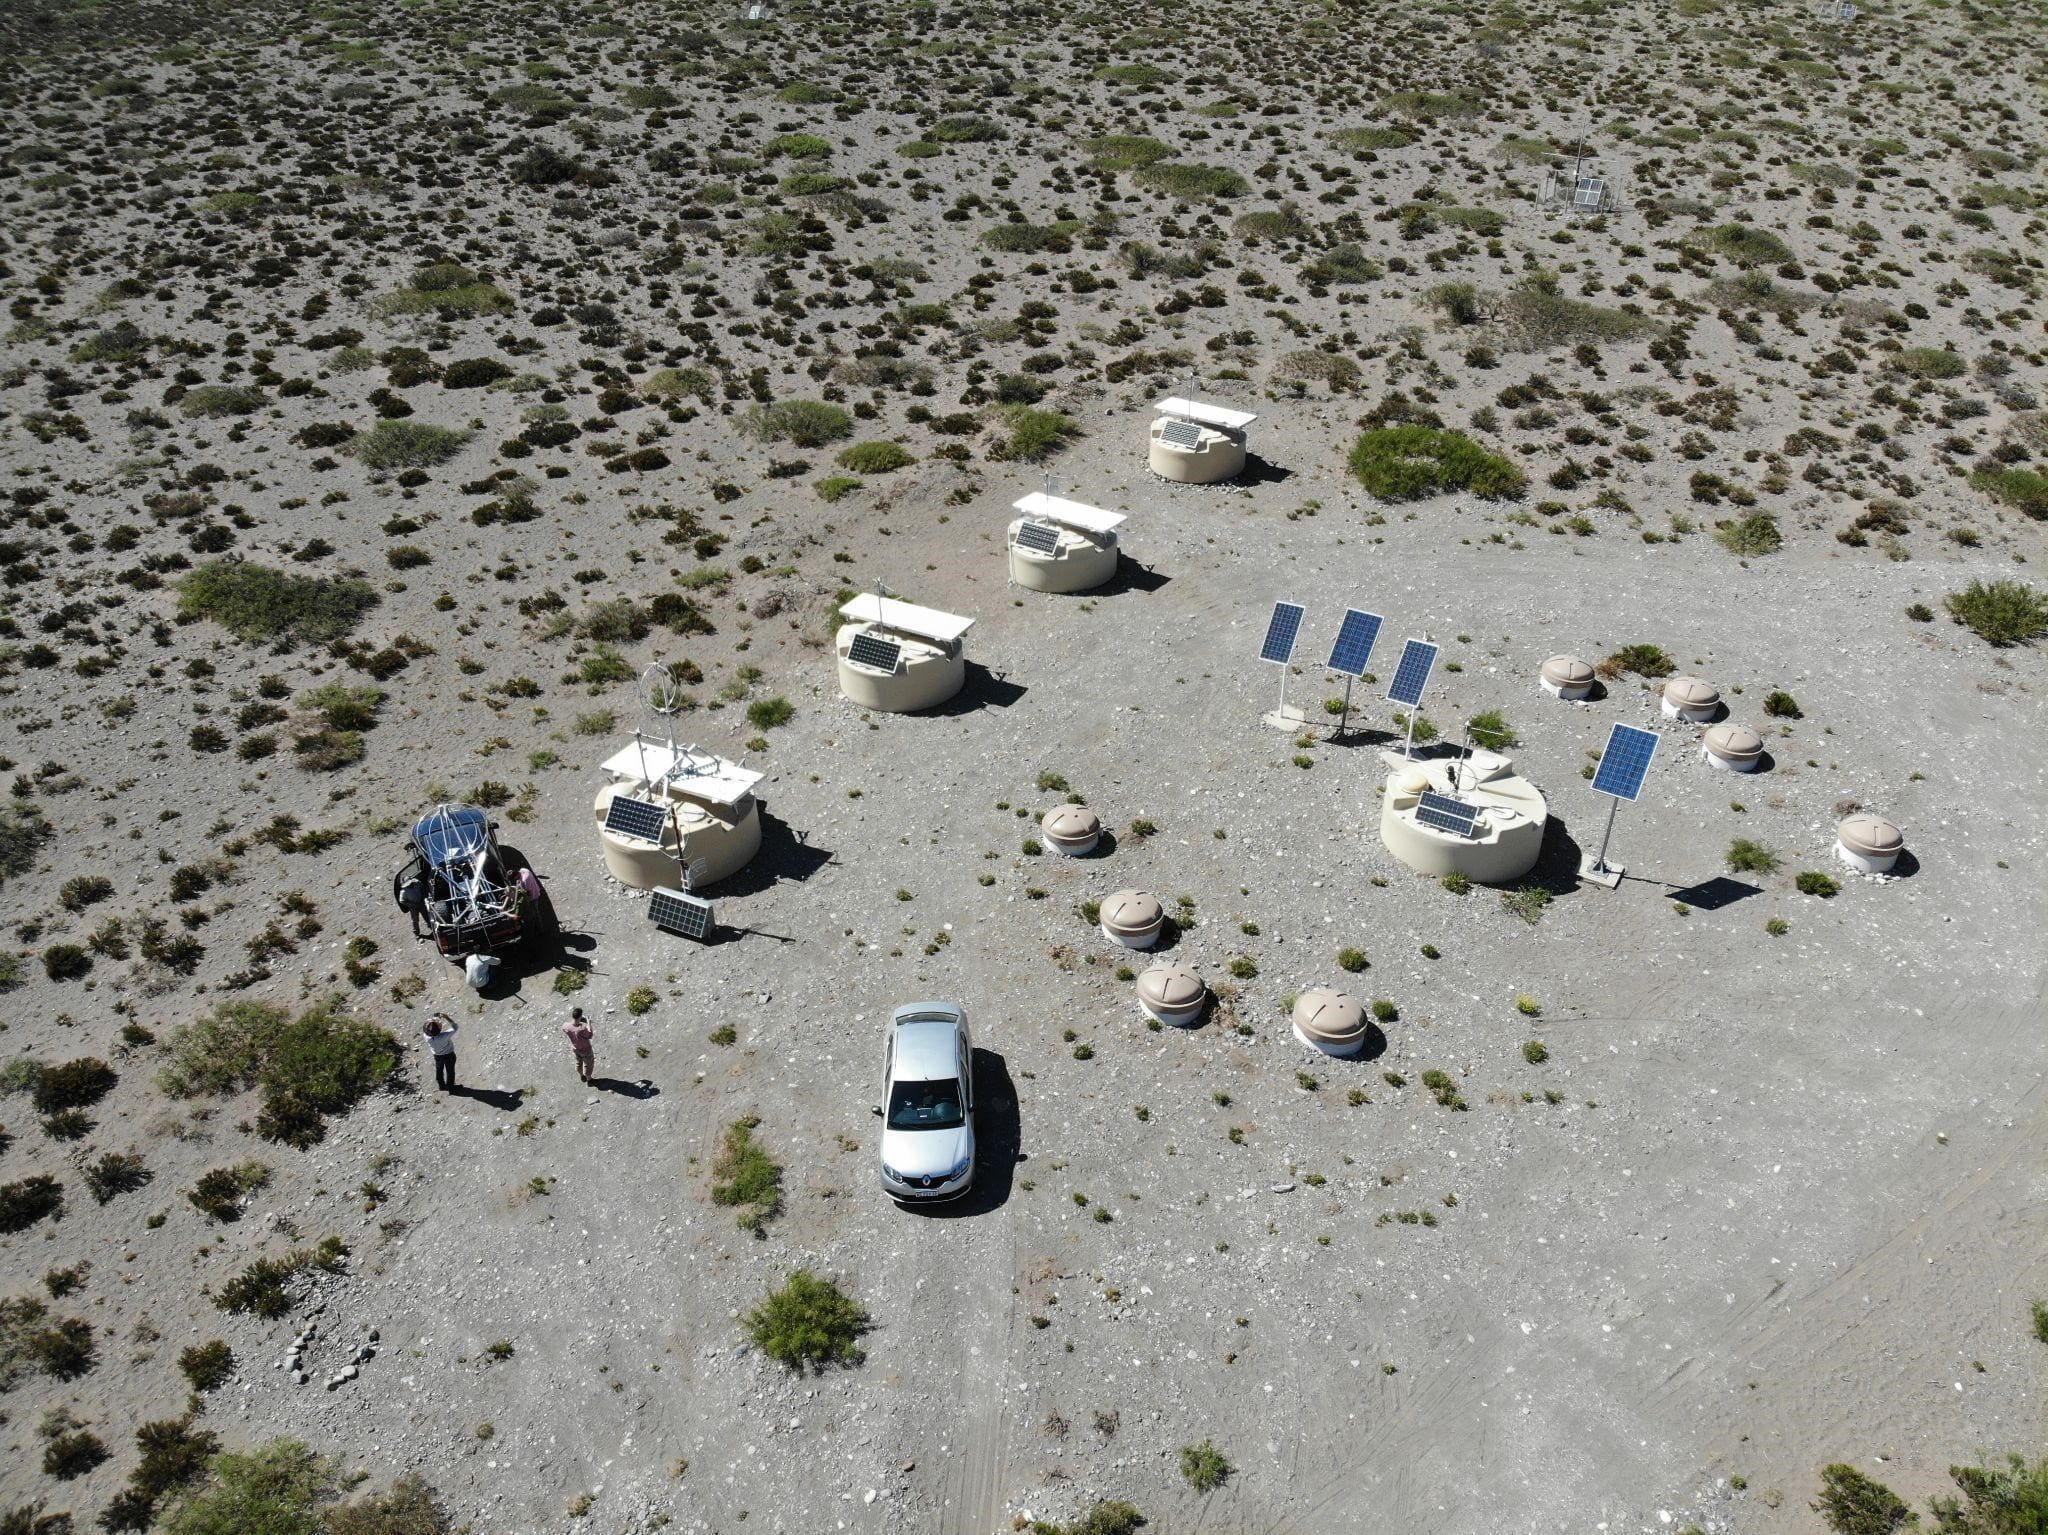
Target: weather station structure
x=1059 y=545
x=672 y=818
x=1473 y=816
x=1195 y=443
x=898 y=657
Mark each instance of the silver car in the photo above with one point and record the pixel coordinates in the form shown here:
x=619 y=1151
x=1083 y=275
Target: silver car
x=927 y=1103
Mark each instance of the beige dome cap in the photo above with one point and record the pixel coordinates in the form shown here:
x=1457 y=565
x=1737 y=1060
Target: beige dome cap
x=1567 y=672
x=1132 y=911
x=1329 y=1017
x=1734 y=743
x=1691 y=693
x=1171 y=988
x=1870 y=835
x=1071 y=824
x=1411 y=780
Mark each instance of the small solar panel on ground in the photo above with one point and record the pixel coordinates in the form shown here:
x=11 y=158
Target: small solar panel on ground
x=1412 y=675
x=1355 y=638
x=1625 y=762
x=1591 y=192
x=1446 y=814
x=881 y=655
x=676 y=912
x=1037 y=536
x=1280 y=632
x=1181 y=434
x=629 y=817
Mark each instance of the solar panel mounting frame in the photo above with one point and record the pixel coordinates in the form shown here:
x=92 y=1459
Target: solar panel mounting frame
x=874 y=653
x=642 y=820
x=677 y=911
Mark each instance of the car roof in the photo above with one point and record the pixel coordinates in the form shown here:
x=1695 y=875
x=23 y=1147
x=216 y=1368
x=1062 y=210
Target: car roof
x=451 y=833
x=928 y=1046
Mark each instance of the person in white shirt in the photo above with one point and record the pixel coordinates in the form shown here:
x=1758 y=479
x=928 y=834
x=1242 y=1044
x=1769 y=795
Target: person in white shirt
x=439 y=1033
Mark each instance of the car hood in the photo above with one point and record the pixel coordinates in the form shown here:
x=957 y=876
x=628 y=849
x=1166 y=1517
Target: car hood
x=927 y=1153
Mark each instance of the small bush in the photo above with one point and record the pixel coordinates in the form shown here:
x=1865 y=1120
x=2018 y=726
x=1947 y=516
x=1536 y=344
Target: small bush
x=219 y=1193
x=1529 y=903
x=473 y=373
x=1031 y=434
x=1353 y=960
x=2025 y=490
x=1124 y=151
x=1782 y=706
x=69 y=1454
x=875 y=457
x=28 y=1200
x=405 y=445
x=1747 y=857
x=260 y=1288
x=24 y=829
x=207 y=1365
x=1535 y=1052
x=1813 y=882
x=212 y=401
x=1203 y=1466
x=1753 y=535
x=1743 y=245
x=65 y=962
x=1188 y=180
x=767 y=713
x=1490 y=731
x=75 y=1084
x=1406 y=463
x=174 y=1455
x=1851 y=1503
x=745 y=1174
x=115 y=1174
x=808 y=1321
x=834 y=486
x=806 y=423
x=258 y=605
x=2000 y=612
x=1643 y=660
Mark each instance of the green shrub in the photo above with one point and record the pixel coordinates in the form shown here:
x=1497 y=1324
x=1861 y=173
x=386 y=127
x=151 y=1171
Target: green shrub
x=1782 y=706
x=1928 y=362
x=212 y=401
x=1352 y=960
x=1406 y=463
x=1187 y=180
x=1813 y=882
x=120 y=342
x=874 y=457
x=767 y=713
x=259 y=605
x=1747 y=857
x=808 y=1321
x=220 y=1192
x=807 y=423
x=174 y=1455
x=405 y=445
x=798 y=146
x=1535 y=1052
x=1490 y=731
x=67 y=1455
x=114 y=1174
x=1431 y=105
x=1031 y=434
x=1851 y=1503
x=1743 y=245
x=278 y=1489
x=1107 y=1517
x=1643 y=660
x=1529 y=903
x=1360 y=140
x=1017 y=236
x=1755 y=534
x=966 y=130
x=65 y=962
x=2000 y=612
x=473 y=373
x=24 y=829
x=28 y=1200
x=1203 y=1466
x=76 y=1084
x=1124 y=151
x=260 y=1288
x=745 y=1174
x=834 y=486
x=324 y=1062
x=1535 y=315
x=207 y=1365
x=2025 y=490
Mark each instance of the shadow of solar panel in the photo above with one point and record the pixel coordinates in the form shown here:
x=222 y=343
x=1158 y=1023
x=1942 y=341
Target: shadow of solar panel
x=1038 y=537
x=1411 y=676
x=1447 y=814
x=1625 y=762
x=876 y=654
x=675 y=912
x=628 y=817
x=1281 y=629
x=1355 y=638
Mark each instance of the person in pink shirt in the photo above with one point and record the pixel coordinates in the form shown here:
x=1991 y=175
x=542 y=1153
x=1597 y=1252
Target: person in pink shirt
x=580 y=1041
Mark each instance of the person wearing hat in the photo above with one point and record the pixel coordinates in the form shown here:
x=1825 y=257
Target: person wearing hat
x=580 y=1041
x=439 y=1033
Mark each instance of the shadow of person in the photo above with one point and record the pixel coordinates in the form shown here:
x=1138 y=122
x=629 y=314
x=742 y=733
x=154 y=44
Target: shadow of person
x=490 y=1097
x=641 y=1089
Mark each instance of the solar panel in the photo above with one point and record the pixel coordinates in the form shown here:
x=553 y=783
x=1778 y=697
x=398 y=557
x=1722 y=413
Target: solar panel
x=1181 y=434
x=639 y=818
x=1037 y=536
x=1446 y=814
x=1355 y=638
x=1412 y=675
x=1280 y=632
x=878 y=654
x=1591 y=192
x=1625 y=762
x=675 y=912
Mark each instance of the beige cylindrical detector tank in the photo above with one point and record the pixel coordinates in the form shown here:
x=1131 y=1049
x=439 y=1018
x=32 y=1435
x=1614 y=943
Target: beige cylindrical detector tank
x=1329 y=1021
x=715 y=841
x=898 y=657
x=1077 y=562
x=1507 y=832
x=1193 y=443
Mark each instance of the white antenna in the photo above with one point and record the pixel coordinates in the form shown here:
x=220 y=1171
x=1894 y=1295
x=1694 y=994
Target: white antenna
x=881 y=613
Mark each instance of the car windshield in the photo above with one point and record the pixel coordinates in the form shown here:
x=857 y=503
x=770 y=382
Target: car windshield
x=926 y=1106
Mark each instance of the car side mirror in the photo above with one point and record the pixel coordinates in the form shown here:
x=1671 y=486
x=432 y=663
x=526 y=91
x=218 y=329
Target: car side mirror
x=876 y=1111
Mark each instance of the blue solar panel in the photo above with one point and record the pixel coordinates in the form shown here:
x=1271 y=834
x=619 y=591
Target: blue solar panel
x=1625 y=762
x=1355 y=639
x=1280 y=633
x=1447 y=814
x=1412 y=675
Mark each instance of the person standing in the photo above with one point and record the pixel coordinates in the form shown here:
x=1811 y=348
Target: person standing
x=581 y=1042
x=439 y=1033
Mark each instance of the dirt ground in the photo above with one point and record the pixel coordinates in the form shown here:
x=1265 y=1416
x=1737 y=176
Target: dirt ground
x=1772 y=1200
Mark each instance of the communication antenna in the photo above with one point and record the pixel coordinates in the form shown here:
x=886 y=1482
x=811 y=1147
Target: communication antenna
x=881 y=613
x=1411 y=677
x=1623 y=765
x=1356 y=636
x=1281 y=630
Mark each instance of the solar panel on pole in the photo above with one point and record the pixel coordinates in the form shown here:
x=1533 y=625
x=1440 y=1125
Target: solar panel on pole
x=637 y=818
x=1411 y=676
x=1355 y=638
x=1281 y=630
x=877 y=654
x=1446 y=814
x=1625 y=762
x=675 y=912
